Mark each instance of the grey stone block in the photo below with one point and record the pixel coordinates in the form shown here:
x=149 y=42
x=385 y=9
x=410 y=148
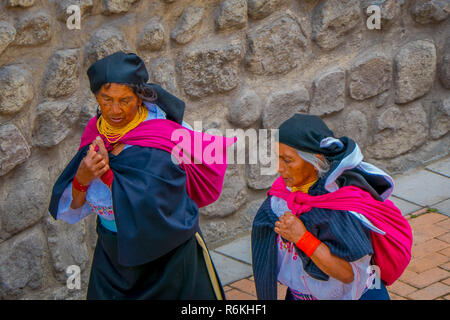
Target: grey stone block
x=7 y=35
x=422 y=187
x=34 y=29
x=246 y=109
x=440 y=118
x=328 y=93
x=232 y=14
x=20 y=3
x=103 y=42
x=259 y=9
x=399 y=131
x=153 y=36
x=54 y=121
x=441 y=167
x=188 y=25
x=67 y=246
x=355 y=126
x=276 y=47
x=210 y=68
x=24 y=198
x=405 y=207
x=444 y=69
x=62 y=5
x=389 y=10
x=284 y=103
x=117 y=6
x=443 y=207
x=415 y=70
x=230 y=270
x=233 y=196
x=240 y=249
x=14 y=149
x=333 y=20
x=430 y=11
x=370 y=75
x=62 y=75
x=16 y=88
x=162 y=72
x=22 y=264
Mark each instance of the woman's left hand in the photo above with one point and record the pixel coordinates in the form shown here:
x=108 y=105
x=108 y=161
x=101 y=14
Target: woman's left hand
x=290 y=227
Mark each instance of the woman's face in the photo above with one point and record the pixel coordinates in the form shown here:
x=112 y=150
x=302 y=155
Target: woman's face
x=118 y=104
x=293 y=169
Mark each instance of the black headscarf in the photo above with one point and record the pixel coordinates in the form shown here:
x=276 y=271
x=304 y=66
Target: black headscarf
x=128 y=68
x=309 y=133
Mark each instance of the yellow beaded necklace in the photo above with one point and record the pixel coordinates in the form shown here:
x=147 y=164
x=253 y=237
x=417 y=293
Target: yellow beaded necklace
x=304 y=188
x=113 y=134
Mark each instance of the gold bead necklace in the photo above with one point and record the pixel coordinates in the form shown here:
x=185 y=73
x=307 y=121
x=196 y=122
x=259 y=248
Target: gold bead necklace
x=304 y=188
x=113 y=134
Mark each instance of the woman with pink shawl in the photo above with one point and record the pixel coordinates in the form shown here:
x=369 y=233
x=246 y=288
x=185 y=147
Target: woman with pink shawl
x=326 y=229
x=145 y=186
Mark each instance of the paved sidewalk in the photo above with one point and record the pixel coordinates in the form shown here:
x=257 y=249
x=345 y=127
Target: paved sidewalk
x=423 y=195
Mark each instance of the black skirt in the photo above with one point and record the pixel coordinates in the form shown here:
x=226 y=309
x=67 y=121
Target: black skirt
x=178 y=275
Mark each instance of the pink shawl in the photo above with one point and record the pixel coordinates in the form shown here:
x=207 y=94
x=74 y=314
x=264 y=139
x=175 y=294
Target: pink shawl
x=201 y=155
x=392 y=251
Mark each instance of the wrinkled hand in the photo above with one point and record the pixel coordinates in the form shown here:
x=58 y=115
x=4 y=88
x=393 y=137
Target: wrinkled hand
x=94 y=164
x=290 y=227
x=101 y=149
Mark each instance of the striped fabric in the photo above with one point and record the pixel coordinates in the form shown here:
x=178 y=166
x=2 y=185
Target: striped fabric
x=341 y=231
x=264 y=252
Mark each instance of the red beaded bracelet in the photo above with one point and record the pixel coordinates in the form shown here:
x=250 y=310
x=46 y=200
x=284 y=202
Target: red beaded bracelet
x=108 y=177
x=308 y=243
x=78 y=186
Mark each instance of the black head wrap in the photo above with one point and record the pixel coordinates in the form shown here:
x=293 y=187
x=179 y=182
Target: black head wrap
x=309 y=133
x=128 y=68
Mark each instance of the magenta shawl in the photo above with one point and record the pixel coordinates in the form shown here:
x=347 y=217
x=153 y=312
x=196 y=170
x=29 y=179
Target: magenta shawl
x=392 y=250
x=201 y=155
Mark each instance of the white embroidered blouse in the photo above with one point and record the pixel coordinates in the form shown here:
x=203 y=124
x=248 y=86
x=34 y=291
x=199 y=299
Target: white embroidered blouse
x=292 y=274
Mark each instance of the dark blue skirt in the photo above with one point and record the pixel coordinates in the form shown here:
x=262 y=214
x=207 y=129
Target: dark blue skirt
x=376 y=294
x=371 y=294
x=178 y=275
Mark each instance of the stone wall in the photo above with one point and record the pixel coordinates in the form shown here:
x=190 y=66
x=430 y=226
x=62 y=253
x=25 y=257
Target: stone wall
x=237 y=64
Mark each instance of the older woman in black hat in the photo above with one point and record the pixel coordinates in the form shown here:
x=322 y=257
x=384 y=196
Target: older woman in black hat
x=320 y=253
x=149 y=242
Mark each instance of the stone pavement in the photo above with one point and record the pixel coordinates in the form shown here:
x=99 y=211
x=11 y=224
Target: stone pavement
x=423 y=195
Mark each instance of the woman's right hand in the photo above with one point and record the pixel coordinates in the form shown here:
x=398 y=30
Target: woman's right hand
x=92 y=166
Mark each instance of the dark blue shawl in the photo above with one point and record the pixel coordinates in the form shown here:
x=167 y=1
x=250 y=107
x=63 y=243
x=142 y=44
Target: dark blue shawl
x=153 y=211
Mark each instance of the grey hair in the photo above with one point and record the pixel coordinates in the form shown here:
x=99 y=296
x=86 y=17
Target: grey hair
x=322 y=166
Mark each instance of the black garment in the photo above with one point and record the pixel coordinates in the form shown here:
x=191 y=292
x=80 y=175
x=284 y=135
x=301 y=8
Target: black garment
x=178 y=275
x=119 y=67
x=374 y=184
x=376 y=294
x=342 y=232
x=171 y=105
x=305 y=132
